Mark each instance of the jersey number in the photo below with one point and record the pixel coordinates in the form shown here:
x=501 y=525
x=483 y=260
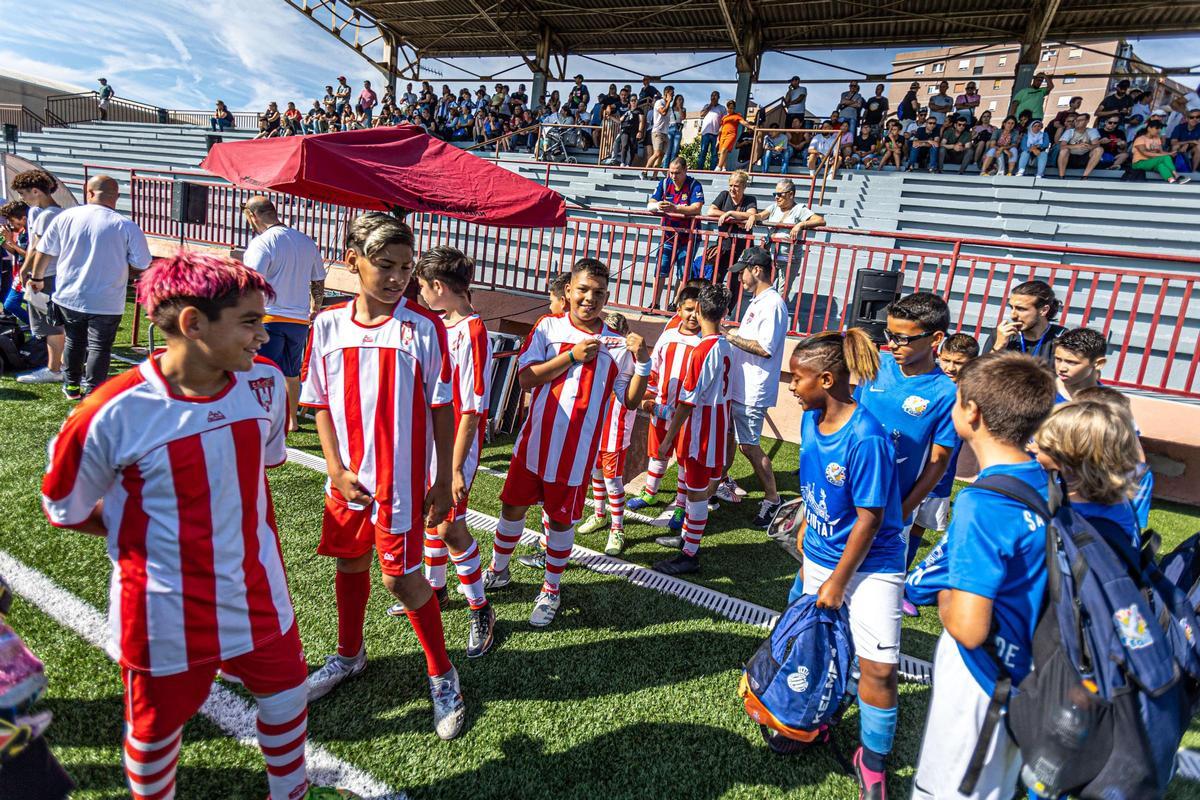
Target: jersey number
x=725 y=379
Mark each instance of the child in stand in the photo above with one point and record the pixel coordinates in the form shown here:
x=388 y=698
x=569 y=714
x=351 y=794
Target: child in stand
x=571 y=363
x=1145 y=478
x=1078 y=359
x=168 y=463
x=699 y=428
x=608 y=476
x=853 y=545
x=996 y=582
x=378 y=374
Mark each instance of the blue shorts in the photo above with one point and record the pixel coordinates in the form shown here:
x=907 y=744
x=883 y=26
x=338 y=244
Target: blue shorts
x=674 y=250
x=747 y=423
x=286 y=346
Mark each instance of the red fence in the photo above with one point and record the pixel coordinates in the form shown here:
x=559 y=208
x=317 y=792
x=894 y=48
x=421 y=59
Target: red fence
x=1142 y=310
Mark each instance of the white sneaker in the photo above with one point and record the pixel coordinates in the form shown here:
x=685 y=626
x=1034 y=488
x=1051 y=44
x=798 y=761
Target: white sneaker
x=43 y=375
x=738 y=490
x=449 y=710
x=336 y=670
x=544 y=609
x=727 y=494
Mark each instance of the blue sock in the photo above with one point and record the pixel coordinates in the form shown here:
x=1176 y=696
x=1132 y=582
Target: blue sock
x=914 y=544
x=877 y=729
x=797 y=590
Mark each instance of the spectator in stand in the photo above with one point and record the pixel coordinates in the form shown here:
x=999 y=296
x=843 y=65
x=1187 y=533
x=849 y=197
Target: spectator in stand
x=1116 y=105
x=293 y=121
x=659 y=138
x=14 y=246
x=875 y=110
x=1079 y=147
x=270 y=122
x=520 y=96
x=907 y=110
x=1141 y=103
x=797 y=139
x=822 y=147
x=329 y=117
x=1149 y=154
x=679 y=198
x=329 y=99
x=222 y=118
x=795 y=97
x=1185 y=139
x=966 y=103
x=410 y=97
x=784 y=210
x=892 y=147
x=776 y=148
x=106 y=96
x=1033 y=97
x=610 y=131
x=367 y=101
x=633 y=124
x=735 y=212
x=675 y=118
x=648 y=92
x=731 y=123
x=956 y=146
x=95 y=247
x=1002 y=151
x=577 y=98
x=1114 y=145
x=1024 y=119
x=1060 y=122
x=389 y=96
x=850 y=104
x=845 y=143
x=910 y=128
x=710 y=126
x=312 y=119
x=342 y=95
x=864 y=152
x=941 y=104
x=924 y=147
x=1035 y=146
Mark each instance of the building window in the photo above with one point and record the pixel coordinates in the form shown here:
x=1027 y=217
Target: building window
x=960 y=86
x=931 y=90
x=1075 y=52
x=1003 y=62
x=997 y=85
x=977 y=71
x=1048 y=55
x=964 y=64
x=919 y=70
x=980 y=61
x=1064 y=101
x=1070 y=78
x=939 y=67
x=992 y=106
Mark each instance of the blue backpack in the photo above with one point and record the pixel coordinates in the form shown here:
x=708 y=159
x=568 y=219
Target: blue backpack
x=1116 y=664
x=929 y=576
x=794 y=685
x=1182 y=567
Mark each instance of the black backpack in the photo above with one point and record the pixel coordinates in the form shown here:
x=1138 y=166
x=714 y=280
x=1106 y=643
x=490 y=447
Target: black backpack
x=13 y=354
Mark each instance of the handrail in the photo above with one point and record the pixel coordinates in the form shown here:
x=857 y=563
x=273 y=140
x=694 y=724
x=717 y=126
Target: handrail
x=26 y=120
x=755 y=153
x=501 y=137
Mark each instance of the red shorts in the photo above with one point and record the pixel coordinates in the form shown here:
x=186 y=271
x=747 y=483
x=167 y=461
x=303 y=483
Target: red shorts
x=563 y=504
x=156 y=707
x=656 y=431
x=698 y=477
x=349 y=533
x=611 y=464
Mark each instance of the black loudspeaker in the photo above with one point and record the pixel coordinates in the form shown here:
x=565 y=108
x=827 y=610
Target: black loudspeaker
x=874 y=289
x=189 y=203
x=10 y=133
x=210 y=139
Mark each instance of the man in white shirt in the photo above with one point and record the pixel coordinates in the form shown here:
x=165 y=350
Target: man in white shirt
x=757 y=362
x=659 y=128
x=794 y=99
x=292 y=264
x=96 y=247
x=710 y=127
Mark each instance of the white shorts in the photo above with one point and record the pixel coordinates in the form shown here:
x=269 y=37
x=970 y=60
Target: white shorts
x=956 y=714
x=934 y=513
x=873 y=600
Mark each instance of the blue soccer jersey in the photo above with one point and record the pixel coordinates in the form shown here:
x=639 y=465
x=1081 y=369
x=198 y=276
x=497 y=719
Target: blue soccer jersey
x=997 y=549
x=1119 y=515
x=914 y=410
x=1145 y=491
x=840 y=473
x=946 y=485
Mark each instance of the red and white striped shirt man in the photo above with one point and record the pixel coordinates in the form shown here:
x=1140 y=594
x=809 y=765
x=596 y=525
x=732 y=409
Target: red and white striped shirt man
x=362 y=374
x=706 y=389
x=471 y=381
x=198 y=576
x=561 y=435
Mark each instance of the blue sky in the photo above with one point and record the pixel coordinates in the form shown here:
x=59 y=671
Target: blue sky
x=186 y=53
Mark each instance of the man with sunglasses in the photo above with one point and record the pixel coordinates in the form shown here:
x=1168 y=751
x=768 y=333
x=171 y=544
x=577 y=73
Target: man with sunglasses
x=1185 y=139
x=1114 y=147
x=956 y=145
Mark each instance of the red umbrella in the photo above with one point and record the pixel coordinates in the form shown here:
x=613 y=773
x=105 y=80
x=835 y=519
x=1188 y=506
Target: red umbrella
x=381 y=168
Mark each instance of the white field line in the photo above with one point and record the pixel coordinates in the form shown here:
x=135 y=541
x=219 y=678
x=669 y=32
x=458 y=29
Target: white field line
x=230 y=712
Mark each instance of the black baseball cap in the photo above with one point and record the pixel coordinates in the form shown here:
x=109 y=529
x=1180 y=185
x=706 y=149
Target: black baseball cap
x=752 y=257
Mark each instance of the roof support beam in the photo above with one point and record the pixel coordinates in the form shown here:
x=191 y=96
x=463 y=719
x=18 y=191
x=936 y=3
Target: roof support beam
x=503 y=35
x=1040 y=18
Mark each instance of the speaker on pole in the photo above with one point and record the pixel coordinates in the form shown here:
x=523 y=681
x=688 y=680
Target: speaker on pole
x=189 y=203
x=874 y=290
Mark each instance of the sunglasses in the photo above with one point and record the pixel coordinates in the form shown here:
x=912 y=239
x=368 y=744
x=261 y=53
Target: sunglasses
x=901 y=340
x=785 y=194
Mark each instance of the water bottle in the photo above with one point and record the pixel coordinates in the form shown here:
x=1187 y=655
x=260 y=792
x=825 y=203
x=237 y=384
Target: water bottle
x=1068 y=729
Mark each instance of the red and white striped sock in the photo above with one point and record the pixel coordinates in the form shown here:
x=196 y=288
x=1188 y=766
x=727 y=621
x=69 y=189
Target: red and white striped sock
x=654 y=475
x=693 y=526
x=599 y=495
x=466 y=564
x=616 y=501
x=436 y=557
x=508 y=533
x=681 y=497
x=558 y=550
x=150 y=766
x=282 y=731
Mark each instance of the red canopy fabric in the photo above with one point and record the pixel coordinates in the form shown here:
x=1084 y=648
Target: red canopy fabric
x=379 y=168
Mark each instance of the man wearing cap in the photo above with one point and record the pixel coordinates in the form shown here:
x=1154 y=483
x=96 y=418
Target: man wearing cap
x=1118 y=104
x=342 y=95
x=577 y=98
x=757 y=362
x=1185 y=139
x=106 y=96
x=850 y=104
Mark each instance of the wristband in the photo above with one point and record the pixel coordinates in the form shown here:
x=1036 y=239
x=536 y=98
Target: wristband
x=642 y=369
x=571 y=355
x=663 y=411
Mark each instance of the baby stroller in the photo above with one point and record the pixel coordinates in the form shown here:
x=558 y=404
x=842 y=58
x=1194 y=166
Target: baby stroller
x=554 y=146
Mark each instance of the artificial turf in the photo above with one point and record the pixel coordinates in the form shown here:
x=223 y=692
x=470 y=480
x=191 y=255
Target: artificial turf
x=629 y=693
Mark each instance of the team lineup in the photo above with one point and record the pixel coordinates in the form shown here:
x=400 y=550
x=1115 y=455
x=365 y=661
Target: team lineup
x=400 y=393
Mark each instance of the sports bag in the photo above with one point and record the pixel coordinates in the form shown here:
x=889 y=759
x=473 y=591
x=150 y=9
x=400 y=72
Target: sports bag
x=795 y=683
x=930 y=576
x=12 y=346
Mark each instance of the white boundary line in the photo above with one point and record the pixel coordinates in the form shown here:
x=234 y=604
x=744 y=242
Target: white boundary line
x=226 y=709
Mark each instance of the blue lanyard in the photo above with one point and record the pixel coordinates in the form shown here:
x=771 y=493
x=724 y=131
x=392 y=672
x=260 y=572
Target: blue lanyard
x=1037 y=348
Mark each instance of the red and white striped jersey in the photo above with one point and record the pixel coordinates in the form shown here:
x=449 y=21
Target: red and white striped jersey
x=618 y=426
x=706 y=389
x=667 y=362
x=561 y=433
x=198 y=576
x=471 y=381
x=380 y=384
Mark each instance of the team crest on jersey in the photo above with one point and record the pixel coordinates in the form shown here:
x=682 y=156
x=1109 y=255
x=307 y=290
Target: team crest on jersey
x=264 y=392
x=835 y=473
x=407 y=333
x=368 y=338
x=215 y=416
x=612 y=342
x=915 y=406
x=1131 y=626
x=798 y=680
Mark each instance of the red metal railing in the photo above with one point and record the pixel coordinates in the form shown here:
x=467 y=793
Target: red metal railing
x=1142 y=309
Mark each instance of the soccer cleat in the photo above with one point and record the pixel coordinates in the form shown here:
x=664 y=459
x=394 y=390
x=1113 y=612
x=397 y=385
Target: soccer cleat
x=726 y=493
x=329 y=793
x=43 y=375
x=443 y=597
x=615 y=543
x=766 y=513
x=670 y=542
x=544 y=609
x=871 y=785
x=481 y=630
x=594 y=523
x=496 y=580
x=643 y=500
x=676 y=521
x=336 y=670
x=908 y=609
x=71 y=391
x=533 y=560
x=449 y=710
x=733 y=487
x=682 y=564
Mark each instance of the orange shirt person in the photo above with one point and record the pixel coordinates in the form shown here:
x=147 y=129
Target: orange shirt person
x=727 y=136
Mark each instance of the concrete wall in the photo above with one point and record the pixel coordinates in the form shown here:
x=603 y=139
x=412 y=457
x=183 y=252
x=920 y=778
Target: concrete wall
x=30 y=92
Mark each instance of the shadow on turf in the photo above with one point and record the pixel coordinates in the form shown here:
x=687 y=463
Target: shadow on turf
x=13 y=393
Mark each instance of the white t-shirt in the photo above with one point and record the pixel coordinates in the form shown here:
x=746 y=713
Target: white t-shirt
x=1076 y=136
x=797 y=213
x=290 y=261
x=662 y=117
x=711 y=124
x=756 y=379
x=95 y=246
x=39 y=219
x=795 y=99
